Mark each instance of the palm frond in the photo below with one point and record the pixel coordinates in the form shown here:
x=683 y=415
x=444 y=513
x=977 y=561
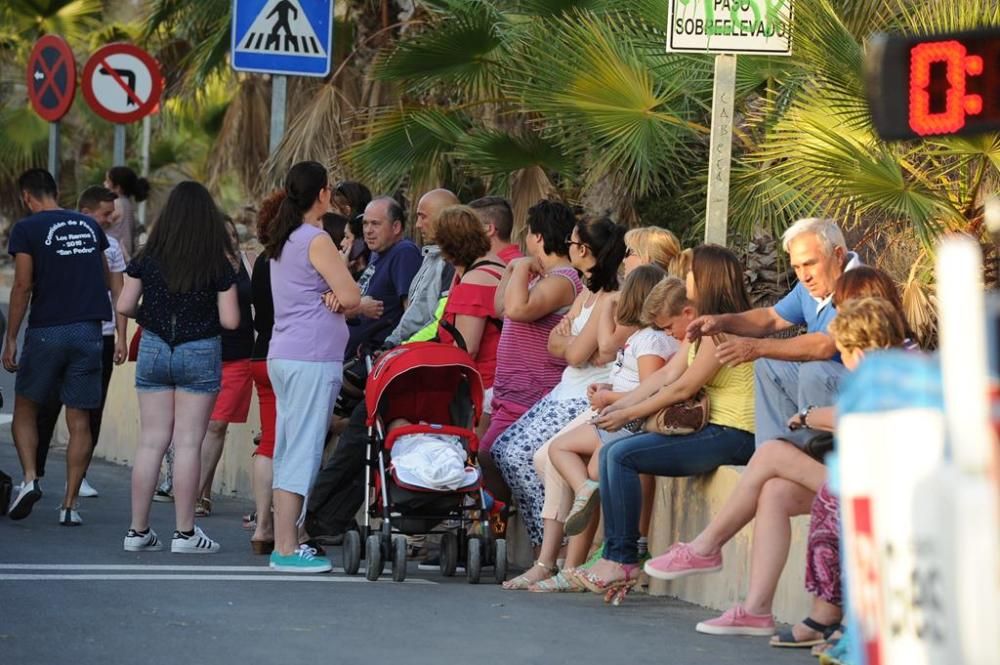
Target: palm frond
x=406 y=143
x=614 y=113
x=489 y=152
x=461 y=53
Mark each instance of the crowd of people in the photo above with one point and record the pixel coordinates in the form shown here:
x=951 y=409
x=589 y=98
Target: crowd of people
x=608 y=356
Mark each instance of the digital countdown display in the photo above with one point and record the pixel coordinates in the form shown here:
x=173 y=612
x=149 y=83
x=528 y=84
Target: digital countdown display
x=937 y=85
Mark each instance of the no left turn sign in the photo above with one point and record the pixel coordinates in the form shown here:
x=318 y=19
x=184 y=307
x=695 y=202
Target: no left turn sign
x=122 y=83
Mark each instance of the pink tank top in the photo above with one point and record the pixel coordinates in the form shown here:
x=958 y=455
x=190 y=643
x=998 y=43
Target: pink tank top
x=526 y=371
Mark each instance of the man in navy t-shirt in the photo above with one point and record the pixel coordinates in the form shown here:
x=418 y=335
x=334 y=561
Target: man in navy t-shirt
x=385 y=284
x=60 y=268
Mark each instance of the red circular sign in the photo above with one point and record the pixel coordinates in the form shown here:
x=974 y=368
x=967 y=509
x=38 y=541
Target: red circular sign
x=51 y=77
x=122 y=83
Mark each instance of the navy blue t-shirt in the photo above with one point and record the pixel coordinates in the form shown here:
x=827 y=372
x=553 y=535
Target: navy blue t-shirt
x=67 y=254
x=392 y=272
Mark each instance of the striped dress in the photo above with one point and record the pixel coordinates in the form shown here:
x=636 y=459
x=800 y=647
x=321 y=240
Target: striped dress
x=526 y=371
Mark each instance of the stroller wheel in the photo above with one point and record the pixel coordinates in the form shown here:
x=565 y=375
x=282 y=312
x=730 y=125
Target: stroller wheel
x=500 y=561
x=399 y=558
x=474 y=560
x=449 y=554
x=352 y=552
x=373 y=555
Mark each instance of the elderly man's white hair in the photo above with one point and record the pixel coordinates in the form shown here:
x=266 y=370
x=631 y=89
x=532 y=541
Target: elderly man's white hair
x=826 y=230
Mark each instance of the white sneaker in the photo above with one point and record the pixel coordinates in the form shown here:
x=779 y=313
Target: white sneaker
x=25 y=496
x=142 y=542
x=198 y=543
x=87 y=490
x=69 y=517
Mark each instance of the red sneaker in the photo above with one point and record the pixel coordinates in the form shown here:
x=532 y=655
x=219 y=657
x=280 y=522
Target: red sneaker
x=680 y=561
x=737 y=621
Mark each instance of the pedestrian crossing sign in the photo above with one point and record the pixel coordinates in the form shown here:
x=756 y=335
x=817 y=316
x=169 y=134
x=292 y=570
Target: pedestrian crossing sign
x=292 y=37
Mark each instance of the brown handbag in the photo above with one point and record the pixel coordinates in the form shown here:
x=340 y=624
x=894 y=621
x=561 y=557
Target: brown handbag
x=685 y=417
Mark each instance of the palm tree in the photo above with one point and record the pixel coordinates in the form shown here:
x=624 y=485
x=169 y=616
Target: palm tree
x=533 y=97
x=901 y=195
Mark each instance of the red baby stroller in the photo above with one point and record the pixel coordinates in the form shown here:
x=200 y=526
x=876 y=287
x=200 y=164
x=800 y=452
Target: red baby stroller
x=438 y=386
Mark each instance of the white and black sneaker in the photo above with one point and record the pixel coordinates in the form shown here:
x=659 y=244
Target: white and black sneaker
x=27 y=495
x=138 y=541
x=87 y=491
x=194 y=543
x=69 y=517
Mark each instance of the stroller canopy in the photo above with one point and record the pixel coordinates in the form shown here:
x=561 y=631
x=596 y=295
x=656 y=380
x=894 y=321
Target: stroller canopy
x=425 y=381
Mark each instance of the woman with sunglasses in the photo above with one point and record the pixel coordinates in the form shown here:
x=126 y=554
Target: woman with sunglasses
x=596 y=249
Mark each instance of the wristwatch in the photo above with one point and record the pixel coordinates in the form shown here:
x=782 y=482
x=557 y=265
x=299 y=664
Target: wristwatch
x=803 y=414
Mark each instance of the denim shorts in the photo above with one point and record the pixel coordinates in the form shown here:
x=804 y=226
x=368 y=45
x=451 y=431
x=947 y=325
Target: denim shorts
x=62 y=361
x=194 y=367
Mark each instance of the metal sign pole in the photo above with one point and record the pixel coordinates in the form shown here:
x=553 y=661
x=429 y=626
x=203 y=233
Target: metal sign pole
x=720 y=149
x=118 y=154
x=54 y=150
x=279 y=93
x=146 y=132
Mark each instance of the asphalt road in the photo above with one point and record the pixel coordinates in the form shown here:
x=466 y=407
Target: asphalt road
x=72 y=596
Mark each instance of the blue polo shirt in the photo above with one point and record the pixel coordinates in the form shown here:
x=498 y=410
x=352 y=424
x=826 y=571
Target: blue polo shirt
x=389 y=281
x=800 y=308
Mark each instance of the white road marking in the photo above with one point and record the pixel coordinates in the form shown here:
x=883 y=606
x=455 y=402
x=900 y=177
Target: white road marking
x=214 y=578
x=155 y=572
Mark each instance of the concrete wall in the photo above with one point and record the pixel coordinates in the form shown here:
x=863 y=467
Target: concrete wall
x=120 y=434
x=683 y=507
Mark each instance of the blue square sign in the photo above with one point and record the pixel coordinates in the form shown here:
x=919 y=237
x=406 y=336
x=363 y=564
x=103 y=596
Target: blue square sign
x=282 y=36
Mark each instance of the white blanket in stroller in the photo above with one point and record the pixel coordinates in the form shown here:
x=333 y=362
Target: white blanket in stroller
x=432 y=461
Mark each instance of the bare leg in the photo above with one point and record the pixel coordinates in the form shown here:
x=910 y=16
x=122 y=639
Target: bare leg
x=25 y=431
x=648 y=483
x=78 y=452
x=779 y=501
x=190 y=424
x=568 y=452
x=821 y=612
x=579 y=545
x=263 y=477
x=211 y=453
x=156 y=414
x=775 y=459
x=484 y=424
x=287 y=507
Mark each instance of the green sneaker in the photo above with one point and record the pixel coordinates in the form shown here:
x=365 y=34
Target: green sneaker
x=304 y=560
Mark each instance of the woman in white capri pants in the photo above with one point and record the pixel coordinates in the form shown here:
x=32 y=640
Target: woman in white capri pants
x=311 y=286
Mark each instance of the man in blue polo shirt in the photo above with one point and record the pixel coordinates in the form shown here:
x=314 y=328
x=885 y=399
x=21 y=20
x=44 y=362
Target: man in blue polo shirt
x=793 y=374
x=385 y=284
x=60 y=268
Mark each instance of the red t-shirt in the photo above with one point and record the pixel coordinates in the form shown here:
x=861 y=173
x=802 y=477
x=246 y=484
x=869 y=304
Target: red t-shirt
x=476 y=300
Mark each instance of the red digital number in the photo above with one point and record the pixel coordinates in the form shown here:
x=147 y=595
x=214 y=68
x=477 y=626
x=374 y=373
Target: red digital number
x=957 y=105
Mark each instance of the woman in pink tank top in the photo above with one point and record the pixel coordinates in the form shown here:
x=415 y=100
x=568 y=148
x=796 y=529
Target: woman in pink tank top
x=534 y=294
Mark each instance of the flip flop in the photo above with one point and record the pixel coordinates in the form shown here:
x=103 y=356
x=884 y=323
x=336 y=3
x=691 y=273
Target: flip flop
x=785 y=638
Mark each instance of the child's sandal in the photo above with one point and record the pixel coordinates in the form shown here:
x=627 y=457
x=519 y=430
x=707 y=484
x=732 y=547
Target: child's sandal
x=521 y=582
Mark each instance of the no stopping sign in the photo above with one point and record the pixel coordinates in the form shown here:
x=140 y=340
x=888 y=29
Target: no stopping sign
x=51 y=77
x=122 y=83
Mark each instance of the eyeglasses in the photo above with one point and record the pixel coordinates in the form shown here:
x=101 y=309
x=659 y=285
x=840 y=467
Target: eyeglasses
x=570 y=241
